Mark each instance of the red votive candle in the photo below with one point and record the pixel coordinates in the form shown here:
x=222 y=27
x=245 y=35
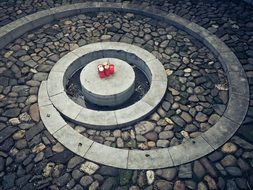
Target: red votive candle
x=101 y=71
x=111 y=68
x=107 y=70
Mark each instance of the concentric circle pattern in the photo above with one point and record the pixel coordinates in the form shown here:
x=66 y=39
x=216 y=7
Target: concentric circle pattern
x=73 y=61
x=50 y=93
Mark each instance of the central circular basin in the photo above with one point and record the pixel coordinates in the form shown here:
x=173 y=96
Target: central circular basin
x=109 y=91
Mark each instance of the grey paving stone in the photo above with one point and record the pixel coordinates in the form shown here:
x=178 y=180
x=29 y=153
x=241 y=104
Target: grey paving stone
x=58 y=100
x=65 y=11
x=63 y=64
x=177 y=21
x=116 y=46
x=133 y=8
x=107 y=155
x=155 y=12
x=5 y=37
x=185 y=171
x=156 y=92
x=222 y=131
x=157 y=70
x=80 y=52
x=43 y=98
x=6 y=132
x=216 y=45
x=73 y=140
x=230 y=62
x=149 y=159
x=88 y=117
x=197 y=31
x=40 y=18
x=189 y=151
x=36 y=129
x=88 y=7
x=238 y=84
x=141 y=53
x=138 y=111
x=97 y=119
x=51 y=118
x=19 y=27
x=237 y=108
x=55 y=83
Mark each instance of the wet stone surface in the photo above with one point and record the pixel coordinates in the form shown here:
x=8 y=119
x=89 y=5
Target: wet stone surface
x=30 y=158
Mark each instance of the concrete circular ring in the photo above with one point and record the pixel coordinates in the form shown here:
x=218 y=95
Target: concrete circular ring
x=134 y=159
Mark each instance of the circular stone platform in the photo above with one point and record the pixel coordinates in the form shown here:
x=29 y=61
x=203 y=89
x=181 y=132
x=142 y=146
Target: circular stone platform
x=109 y=91
x=80 y=57
x=134 y=159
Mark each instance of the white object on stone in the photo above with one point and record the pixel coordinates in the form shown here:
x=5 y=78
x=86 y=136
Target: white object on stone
x=89 y=167
x=150 y=176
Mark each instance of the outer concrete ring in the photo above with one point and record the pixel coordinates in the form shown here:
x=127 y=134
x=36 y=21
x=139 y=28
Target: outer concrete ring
x=135 y=159
x=79 y=57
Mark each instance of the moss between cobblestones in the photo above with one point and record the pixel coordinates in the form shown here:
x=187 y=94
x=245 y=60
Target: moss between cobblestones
x=125 y=177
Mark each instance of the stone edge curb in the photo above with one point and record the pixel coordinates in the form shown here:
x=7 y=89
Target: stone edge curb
x=151 y=66
x=191 y=150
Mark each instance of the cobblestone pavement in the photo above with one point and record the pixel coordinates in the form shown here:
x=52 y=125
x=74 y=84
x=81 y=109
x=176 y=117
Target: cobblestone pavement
x=30 y=158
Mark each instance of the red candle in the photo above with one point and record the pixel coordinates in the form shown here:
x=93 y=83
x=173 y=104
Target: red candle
x=107 y=70
x=111 y=68
x=101 y=71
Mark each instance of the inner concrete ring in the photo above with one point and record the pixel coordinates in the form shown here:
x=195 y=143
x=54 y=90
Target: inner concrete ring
x=78 y=58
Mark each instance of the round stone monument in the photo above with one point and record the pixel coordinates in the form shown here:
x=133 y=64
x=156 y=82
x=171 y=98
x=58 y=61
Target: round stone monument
x=109 y=91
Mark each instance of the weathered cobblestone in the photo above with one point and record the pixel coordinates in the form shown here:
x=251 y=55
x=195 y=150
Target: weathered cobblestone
x=20 y=168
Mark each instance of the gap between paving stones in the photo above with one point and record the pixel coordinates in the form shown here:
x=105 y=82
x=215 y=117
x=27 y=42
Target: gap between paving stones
x=200 y=146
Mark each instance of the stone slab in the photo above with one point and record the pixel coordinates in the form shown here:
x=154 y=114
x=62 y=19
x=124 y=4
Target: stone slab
x=65 y=11
x=65 y=105
x=155 y=94
x=64 y=62
x=107 y=155
x=40 y=18
x=238 y=84
x=55 y=83
x=151 y=159
x=81 y=51
x=230 y=62
x=19 y=27
x=141 y=53
x=43 y=98
x=73 y=140
x=237 y=108
x=221 y=132
x=197 y=31
x=177 y=21
x=189 y=151
x=99 y=120
x=5 y=37
x=216 y=45
x=133 y=113
x=51 y=118
x=157 y=70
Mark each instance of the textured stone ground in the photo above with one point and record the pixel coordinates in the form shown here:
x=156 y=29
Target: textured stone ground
x=30 y=158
